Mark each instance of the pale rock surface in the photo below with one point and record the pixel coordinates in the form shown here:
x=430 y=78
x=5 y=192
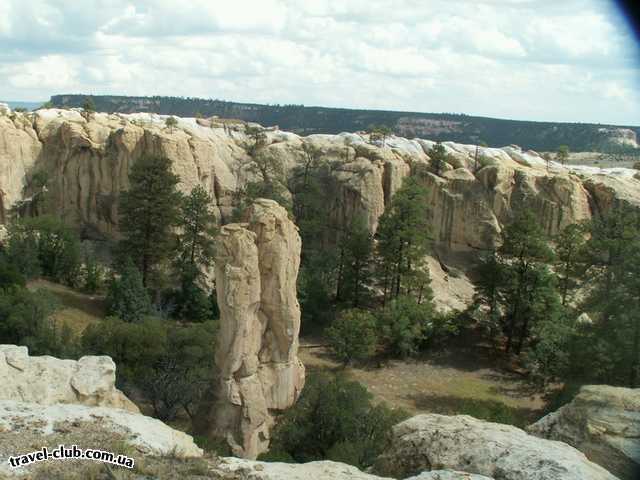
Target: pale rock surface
x=147 y=434
x=603 y=422
x=322 y=470
x=48 y=380
x=256 y=270
x=88 y=156
x=432 y=442
x=448 y=475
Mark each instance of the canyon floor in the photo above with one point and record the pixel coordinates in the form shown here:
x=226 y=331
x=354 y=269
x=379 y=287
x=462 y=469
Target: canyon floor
x=467 y=377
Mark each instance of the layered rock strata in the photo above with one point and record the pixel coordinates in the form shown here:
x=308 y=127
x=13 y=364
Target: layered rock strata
x=256 y=271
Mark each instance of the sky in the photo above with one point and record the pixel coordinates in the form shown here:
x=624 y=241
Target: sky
x=556 y=60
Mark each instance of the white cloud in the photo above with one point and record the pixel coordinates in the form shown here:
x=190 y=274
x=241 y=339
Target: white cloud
x=541 y=59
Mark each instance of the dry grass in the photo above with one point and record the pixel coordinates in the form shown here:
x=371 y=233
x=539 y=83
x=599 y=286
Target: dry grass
x=78 y=309
x=455 y=381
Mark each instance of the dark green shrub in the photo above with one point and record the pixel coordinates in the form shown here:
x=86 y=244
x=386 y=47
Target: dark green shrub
x=127 y=298
x=333 y=419
x=352 y=336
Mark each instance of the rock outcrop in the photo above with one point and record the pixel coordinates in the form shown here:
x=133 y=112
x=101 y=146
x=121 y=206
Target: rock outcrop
x=256 y=270
x=234 y=468
x=602 y=422
x=48 y=380
x=432 y=442
x=86 y=159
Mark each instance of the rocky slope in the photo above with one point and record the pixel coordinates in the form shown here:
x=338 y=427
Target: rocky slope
x=86 y=158
x=257 y=356
x=603 y=422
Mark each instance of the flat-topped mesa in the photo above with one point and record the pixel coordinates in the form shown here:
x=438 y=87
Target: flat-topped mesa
x=256 y=271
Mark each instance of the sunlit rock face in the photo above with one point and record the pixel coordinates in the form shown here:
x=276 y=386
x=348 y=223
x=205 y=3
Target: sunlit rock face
x=46 y=380
x=256 y=271
x=432 y=442
x=603 y=422
x=87 y=157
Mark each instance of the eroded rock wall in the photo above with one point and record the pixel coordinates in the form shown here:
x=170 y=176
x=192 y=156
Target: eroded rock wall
x=256 y=271
x=87 y=157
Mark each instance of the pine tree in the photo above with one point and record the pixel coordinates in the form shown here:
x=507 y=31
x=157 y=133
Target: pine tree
x=357 y=249
x=438 y=156
x=148 y=214
x=195 y=248
x=127 y=297
x=569 y=249
x=526 y=252
x=403 y=242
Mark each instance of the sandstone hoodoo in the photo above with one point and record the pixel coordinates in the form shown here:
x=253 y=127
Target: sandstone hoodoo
x=256 y=270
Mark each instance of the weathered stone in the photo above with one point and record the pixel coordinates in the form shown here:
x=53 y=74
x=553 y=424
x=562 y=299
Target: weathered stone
x=448 y=475
x=603 y=422
x=235 y=468
x=433 y=442
x=48 y=380
x=147 y=434
x=256 y=270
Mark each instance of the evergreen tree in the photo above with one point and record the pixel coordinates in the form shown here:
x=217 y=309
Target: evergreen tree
x=127 y=297
x=195 y=249
x=352 y=336
x=569 y=250
x=357 y=254
x=608 y=349
x=438 y=156
x=527 y=252
x=403 y=242
x=148 y=214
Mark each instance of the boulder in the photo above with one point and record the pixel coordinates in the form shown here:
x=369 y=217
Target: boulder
x=48 y=380
x=256 y=271
x=433 y=442
x=603 y=422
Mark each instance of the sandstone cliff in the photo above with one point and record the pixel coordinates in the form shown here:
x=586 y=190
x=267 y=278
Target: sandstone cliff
x=256 y=272
x=86 y=158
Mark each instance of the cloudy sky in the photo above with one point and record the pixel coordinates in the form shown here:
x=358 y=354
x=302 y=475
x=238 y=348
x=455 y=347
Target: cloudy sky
x=562 y=60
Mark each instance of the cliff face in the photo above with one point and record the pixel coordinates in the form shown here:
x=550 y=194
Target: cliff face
x=86 y=159
x=256 y=272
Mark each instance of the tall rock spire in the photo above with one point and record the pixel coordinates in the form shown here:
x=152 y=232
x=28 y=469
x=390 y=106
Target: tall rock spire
x=257 y=357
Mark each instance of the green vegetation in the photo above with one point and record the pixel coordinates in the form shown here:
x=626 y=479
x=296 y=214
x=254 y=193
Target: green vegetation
x=88 y=105
x=171 y=122
x=127 y=297
x=148 y=212
x=438 y=156
x=334 y=419
x=403 y=241
x=353 y=336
